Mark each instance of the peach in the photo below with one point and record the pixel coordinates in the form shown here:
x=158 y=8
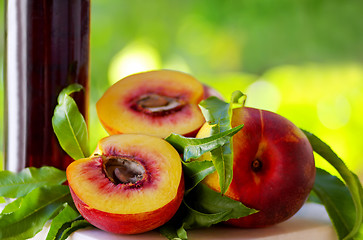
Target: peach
x=155 y=103
x=273 y=167
x=133 y=183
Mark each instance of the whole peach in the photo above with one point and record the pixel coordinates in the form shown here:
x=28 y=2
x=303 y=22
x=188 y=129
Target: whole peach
x=273 y=167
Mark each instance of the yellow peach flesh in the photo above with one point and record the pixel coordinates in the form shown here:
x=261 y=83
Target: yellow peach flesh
x=116 y=115
x=162 y=162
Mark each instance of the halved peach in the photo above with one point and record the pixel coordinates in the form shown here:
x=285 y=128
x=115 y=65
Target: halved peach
x=133 y=184
x=156 y=103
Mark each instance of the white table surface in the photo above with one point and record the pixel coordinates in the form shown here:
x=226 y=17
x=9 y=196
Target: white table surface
x=310 y=223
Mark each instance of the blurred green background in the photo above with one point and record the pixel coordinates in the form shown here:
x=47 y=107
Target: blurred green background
x=302 y=59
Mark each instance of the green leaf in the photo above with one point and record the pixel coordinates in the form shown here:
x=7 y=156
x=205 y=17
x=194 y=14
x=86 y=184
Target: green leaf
x=69 y=125
x=333 y=194
x=75 y=87
x=196 y=147
x=36 y=209
x=215 y=112
x=202 y=208
x=351 y=180
x=182 y=233
x=75 y=225
x=238 y=100
x=206 y=207
x=218 y=114
x=14 y=185
x=12 y=206
x=170 y=231
x=61 y=221
x=197 y=219
x=195 y=172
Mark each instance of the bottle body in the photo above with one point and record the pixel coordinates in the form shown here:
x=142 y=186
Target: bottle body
x=47 y=48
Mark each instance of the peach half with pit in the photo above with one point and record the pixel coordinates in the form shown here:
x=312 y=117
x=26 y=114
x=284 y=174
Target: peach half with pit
x=133 y=184
x=273 y=167
x=156 y=103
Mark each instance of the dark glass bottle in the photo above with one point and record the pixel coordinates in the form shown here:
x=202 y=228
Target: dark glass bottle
x=46 y=49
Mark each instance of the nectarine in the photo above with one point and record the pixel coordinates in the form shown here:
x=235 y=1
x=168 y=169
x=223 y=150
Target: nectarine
x=133 y=183
x=155 y=103
x=273 y=167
